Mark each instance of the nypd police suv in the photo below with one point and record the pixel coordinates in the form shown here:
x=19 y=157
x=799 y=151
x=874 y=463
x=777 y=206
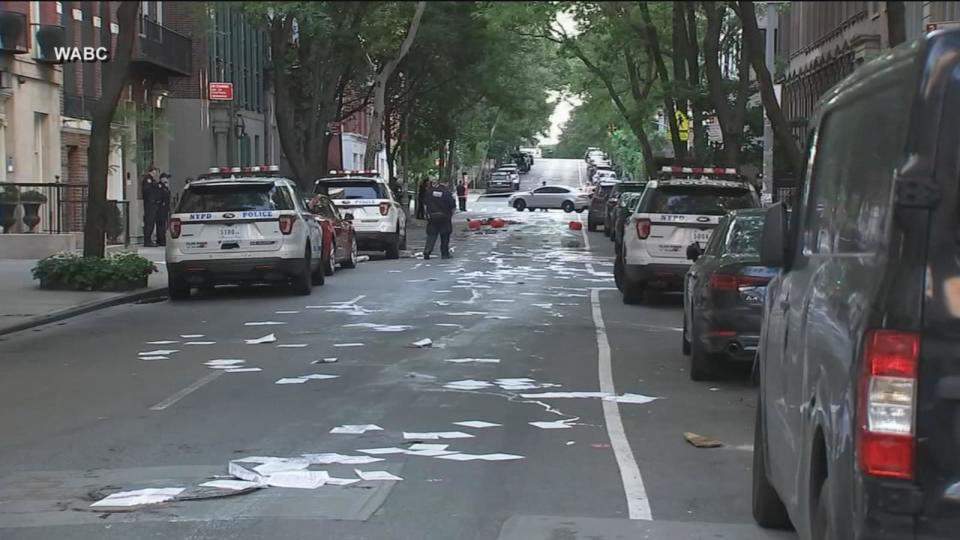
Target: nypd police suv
x=243 y=224
x=379 y=221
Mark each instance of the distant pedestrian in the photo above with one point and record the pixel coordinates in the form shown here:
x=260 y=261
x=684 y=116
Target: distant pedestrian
x=421 y=198
x=150 y=193
x=462 y=190
x=439 y=206
x=163 y=208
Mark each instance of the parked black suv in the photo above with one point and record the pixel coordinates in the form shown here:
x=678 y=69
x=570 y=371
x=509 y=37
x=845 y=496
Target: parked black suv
x=858 y=423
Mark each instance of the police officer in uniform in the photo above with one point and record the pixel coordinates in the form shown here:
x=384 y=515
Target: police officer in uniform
x=439 y=206
x=163 y=208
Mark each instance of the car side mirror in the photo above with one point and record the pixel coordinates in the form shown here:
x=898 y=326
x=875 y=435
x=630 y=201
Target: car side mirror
x=773 y=242
x=693 y=252
x=348 y=216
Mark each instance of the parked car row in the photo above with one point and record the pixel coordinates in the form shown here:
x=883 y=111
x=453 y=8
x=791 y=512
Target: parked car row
x=250 y=224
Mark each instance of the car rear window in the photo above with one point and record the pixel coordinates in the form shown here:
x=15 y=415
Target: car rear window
x=604 y=191
x=630 y=188
x=234 y=198
x=744 y=236
x=700 y=200
x=500 y=177
x=352 y=190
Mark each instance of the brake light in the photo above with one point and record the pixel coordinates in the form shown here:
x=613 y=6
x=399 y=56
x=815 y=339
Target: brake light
x=643 y=228
x=885 y=445
x=721 y=282
x=286 y=224
x=384 y=208
x=174 y=226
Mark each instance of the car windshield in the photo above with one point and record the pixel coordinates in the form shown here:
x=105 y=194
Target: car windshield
x=500 y=177
x=630 y=188
x=352 y=189
x=744 y=235
x=234 y=198
x=699 y=200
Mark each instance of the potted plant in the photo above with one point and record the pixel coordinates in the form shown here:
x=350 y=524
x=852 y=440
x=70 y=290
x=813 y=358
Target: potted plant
x=31 y=207
x=9 y=198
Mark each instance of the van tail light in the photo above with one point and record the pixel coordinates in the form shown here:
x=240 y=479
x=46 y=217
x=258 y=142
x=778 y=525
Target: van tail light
x=887 y=404
x=286 y=224
x=175 y=228
x=643 y=228
x=384 y=208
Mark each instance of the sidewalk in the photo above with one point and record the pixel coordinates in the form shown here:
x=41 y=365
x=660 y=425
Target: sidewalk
x=25 y=305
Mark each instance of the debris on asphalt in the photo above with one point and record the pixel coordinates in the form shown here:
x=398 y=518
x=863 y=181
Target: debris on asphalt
x=363 y=258
x=428 y=446
x=571 y=443
x=235 y=485
x=356 y=429
x=348 y=344
x=291 y=380
x=381 y=451
x=269 y=338
x=576 y=225
x=263 y=323
x=376 y=475
x=139 y=497
x=162 y=342
x=476 y=424
x=429 y=452
x=559 y=424
x=287 y=312
x=380 y=327
x=298 y=479
x=503 y=300
x=292 y=345
x=243 y=370
x=281 y=465
x=466 y=313
x=700 y=441
x=498 y=317
x=240 y=472
x=319 y=377
x=468 y=384
x=432 y=436
x=631 y=398
x=483 y=457
x=476 y=360
x=333 y=457
x=224 y=364
x=422 y=344
x=154 y=358
x=160 y=352
x=192 y=336
x=330 y=360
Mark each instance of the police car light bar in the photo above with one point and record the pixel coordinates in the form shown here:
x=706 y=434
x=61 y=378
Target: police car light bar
x=354 y=173
x=699 y=170
x=258 y=168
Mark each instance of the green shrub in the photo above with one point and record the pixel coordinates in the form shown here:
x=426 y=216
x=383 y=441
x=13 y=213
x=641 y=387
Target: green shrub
x=69 y=271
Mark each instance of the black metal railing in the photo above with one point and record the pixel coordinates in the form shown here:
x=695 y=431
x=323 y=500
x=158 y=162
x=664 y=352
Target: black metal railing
x=160 y=46
x=47 y=38
x=78 y=106
x=13 y=32
x=57 y=208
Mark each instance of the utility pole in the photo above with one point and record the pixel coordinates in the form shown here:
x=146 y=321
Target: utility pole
x=772 y=22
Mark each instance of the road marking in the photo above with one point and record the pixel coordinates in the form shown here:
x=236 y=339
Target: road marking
x=355 y=300
x=186 y=391
x=638 y=506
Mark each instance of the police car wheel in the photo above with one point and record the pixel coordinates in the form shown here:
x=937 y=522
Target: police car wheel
x=303 y=282
x=330 y=261
x=177 y=287
x=351 y=261
x=632 y=291
x=393 y=248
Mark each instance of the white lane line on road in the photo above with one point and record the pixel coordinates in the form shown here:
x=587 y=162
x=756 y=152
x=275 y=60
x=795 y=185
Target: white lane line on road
x=186 y=391
x=638 y=506
x=355 y=300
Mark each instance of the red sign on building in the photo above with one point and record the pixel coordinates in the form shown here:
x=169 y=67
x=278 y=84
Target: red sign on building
x=221 y=91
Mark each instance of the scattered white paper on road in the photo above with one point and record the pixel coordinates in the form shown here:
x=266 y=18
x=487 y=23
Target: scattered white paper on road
x=325 y=361
x=423 y=343
x=243 y=370
x=503 y=300
x=233 y=485
x=162 y=342
x=139 y=497
x=319 y=377
x=468 y=384
x=282 y=465
x=159 y=352
x=559 y=424
x=383 y=451
x=341 y=481
x=333 y=457
x=544 y=306
x=270 y=338
x=429 y=453
x=298 y=479
x=225 y=362
x=459 y=457
x=477 y=360
x=466 y=313
x=554 y=395
x=192 y=336
x=200 y=343
x=450 y=325
x=154 y=358
x=264 y=323
x=376 y=475
x=631 y=398
x=522 y=380
x=476 y=424
x=292 y=346
x=498 y=317
x=434 y=435
x=380 y=327
x=287 y=312
x=291 y=380
x=260 y=459
x=356 y=429
x=499 y=457
x=442 y=291
x=428 y=446
x=348 y=344
x=240 y=472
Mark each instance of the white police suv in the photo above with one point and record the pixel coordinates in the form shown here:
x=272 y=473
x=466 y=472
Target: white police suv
x=242 y=224
x=379 y=221
x=680 y=209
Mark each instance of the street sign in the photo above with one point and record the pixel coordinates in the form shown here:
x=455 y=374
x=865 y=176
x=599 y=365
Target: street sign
x=221 y=91
x=943 y=25
x=682 y=125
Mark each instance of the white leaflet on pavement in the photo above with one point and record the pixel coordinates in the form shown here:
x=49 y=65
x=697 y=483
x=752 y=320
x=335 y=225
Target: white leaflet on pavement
x=240 y=472
x=383 y=451
x=233 y=485
x=259 y=459
x=333 y=457
x=429 y=453
x=503 y=300
x=229 y=362
x=559 y=424
x=522 y=380
x=450 y=325
x=380 y=327
x=466 y=313
x=553 y=395
x=162 y=342
x=291 y=380
x=477 y=360
x=192 y=336
x=318 y=377
x=287 y=312
x=499 y=457
x=428 y=446
x=498 y=317
x=476 y=424
x=270 y=338
x=459 y=457
x=422 y=344
x=544 y=306
x=434 y=435
x=442 y=291
x=200 y=343
x=324 y=361
x=363 y=258
x=631 y=398
x=159 y=352
x=139 y=497
x=292 y=346
x=341 y=481
x=154 y=357
x=356 y=429
x=263 y=323
x=520 y=386
x=272 y=467
x=298 y=479
x=348 y=344
x=243 y=370
x=376 y=475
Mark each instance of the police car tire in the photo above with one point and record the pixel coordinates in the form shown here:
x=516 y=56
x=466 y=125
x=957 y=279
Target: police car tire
x=177 y=287
x=303 y=283
x=632 y=291
x=351 y=261
x=393 y=248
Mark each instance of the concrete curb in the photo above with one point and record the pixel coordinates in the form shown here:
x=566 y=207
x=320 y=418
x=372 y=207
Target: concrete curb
x=57 y=316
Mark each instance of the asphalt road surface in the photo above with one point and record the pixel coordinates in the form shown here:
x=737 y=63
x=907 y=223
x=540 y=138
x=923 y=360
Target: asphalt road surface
x=82 y=416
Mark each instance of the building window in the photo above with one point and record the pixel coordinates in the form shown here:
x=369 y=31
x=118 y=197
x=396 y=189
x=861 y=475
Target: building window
x=39 y=147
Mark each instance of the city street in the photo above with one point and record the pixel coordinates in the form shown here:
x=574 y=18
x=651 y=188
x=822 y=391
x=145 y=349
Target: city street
x=83 y=416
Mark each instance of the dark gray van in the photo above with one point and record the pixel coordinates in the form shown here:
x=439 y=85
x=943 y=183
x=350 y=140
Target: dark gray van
x=858 y=418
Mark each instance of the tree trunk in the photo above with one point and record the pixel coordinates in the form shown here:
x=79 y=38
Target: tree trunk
x=386 y=143
x=715 y=86
x=681 y=85
x=380 y=91
x=113 y=77
x=755 y=48
x=896 y=23
x=693 y=70
x=669 y=109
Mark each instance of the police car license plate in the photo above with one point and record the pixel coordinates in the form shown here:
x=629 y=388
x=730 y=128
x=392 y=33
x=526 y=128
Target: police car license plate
x=702 y=236
x=230 y=233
